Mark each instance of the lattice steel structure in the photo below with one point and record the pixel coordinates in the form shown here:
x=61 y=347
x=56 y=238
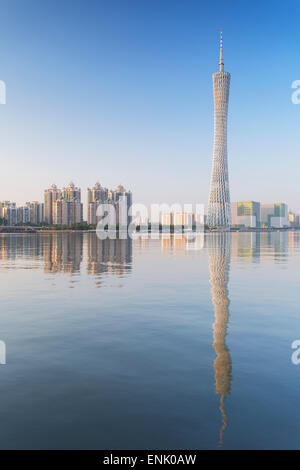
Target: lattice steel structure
x=219 y=211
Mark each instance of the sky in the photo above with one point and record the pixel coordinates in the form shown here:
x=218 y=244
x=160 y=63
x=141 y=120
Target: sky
x=120 y=91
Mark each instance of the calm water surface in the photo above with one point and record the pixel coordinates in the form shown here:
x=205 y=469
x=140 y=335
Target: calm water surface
x=122 y=344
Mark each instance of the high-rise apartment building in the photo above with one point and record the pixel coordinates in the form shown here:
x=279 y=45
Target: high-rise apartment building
x=92 y=212
x=63 y=207
x=71 y=193
x=75 y=212
x=9 y=212
x=50 y=197
x=95 y=197
x=97 y=193
x=119 y=198
x=60 y=212
x=23 y=215
x=67 y=212
x=36 y=212
x=219 y=211
x=122 y=200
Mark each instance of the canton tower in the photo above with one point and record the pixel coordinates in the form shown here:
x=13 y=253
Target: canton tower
x=219 y=211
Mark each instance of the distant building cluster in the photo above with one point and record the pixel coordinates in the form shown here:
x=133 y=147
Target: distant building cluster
x=245 y=214
x=64 y=206
x=31 y=213
x=256 y=215
x=178 y=219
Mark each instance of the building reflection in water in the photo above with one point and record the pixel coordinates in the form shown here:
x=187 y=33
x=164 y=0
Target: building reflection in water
x=14 y=245
x=182 y=241
x=246 y=246
x=108 y=256
x=266 y=247
x=67 y=252
x=219 y=252
x=63 y=252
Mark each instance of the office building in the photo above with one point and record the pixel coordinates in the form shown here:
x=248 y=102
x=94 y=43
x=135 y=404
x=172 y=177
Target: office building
x=274 y=215
x=245 y=214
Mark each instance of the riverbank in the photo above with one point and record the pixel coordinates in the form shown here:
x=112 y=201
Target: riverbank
x=29 y=229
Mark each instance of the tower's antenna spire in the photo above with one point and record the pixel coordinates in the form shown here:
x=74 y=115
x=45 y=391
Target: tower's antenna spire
x=221 y=64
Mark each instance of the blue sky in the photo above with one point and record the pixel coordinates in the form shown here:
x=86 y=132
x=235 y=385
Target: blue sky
x=120 y=91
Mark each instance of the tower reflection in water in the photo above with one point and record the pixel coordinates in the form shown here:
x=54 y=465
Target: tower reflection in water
x=218 y=246
x=219 y=252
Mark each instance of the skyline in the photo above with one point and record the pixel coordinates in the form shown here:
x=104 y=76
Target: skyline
x=65 y=206
x=134 y=93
